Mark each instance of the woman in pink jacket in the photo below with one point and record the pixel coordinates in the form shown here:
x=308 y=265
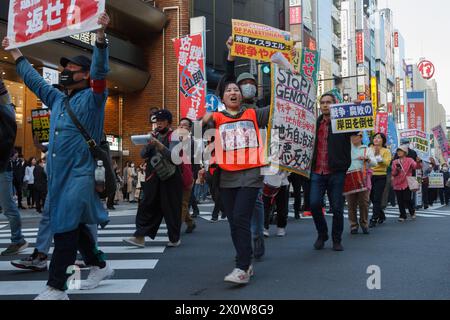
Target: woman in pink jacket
x=403 y=168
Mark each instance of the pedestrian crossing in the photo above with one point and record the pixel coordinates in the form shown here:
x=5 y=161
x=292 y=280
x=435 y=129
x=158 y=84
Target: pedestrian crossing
x=134 y=264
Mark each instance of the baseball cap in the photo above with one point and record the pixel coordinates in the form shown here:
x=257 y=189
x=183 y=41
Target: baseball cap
x=245 y=76
x=163 y=114
x=81 y=61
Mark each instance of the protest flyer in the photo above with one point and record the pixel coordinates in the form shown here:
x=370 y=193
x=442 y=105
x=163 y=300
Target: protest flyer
x=292 y=126
x=436 y=180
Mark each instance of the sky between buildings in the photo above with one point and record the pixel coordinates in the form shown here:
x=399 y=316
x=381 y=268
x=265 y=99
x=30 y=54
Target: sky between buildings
x=425 y=26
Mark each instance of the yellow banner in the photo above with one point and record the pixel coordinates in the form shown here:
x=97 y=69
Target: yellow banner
x=259 y=42
x=374 y=90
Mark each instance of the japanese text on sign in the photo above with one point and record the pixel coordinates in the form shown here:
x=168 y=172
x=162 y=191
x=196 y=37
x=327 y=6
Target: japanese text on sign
x=436 y=181
x=310 y=63
x=440 y=137
x=259 y=42
x=41 y=124
x=191 y=68
x=350 y=117
x=292 y=126
x=34 y=21
x=418 y=141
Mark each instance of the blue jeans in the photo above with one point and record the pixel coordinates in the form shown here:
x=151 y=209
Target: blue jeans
x=10 y=207
x=45 y=235
x=239 y=204
x=334 y=185
x=258 y=217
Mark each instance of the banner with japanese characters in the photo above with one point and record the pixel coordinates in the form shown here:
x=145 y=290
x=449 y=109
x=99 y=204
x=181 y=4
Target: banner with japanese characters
x=310 y=65
x=40 y=124
x=35 y=21
x=381 y=123
x=259 y=42
x=439 y=135
x=418 y=141
x=392 y=135
x=292 y=125
x=190 y=52
x=351 y=117
x=436 y=180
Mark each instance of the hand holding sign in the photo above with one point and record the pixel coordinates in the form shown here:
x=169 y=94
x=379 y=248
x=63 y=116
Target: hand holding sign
x=16 y=54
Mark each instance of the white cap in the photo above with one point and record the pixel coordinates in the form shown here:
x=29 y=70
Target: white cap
x=100 y=163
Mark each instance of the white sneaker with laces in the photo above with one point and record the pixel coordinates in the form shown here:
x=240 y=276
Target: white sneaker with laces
x=96 y=275
x=266 y=233
x=174 y=244
x=281 y=232
x=51 y=294
x=238 y=276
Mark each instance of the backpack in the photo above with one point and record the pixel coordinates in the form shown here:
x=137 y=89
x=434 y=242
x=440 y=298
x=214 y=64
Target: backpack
x=8 y=132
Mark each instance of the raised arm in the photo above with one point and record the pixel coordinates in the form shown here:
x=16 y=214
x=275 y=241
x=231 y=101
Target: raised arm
x=33 y=80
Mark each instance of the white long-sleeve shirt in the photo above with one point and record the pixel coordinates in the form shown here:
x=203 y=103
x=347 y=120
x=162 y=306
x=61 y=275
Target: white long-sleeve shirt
x=29 y=176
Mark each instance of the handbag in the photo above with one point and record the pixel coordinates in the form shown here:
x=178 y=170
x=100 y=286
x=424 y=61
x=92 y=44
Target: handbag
x=413 y=184
x=99 y=152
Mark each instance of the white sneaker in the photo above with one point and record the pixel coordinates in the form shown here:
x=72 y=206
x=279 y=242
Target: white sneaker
x=238 y=276
x=52 y=294
x=174 y=244
x=281 y=232
x=96 y=275
x=266 y=233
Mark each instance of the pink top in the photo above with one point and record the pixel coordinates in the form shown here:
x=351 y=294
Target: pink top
x=399 y=176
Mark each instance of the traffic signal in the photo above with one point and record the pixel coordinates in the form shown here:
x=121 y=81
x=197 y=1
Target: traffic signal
x=266 y=69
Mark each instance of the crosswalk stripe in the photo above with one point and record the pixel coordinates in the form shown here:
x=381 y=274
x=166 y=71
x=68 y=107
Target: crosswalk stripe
x=2 y=226
x=123 y=286
x=100 y=232
x=100 y=240
x=115 y=250
x=114 y=227
x=114 y=264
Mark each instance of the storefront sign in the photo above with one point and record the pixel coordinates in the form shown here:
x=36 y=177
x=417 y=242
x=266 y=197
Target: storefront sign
x=40 y=124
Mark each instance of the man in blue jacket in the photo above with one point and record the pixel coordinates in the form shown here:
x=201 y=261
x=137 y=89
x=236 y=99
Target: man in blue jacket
x=72 y=200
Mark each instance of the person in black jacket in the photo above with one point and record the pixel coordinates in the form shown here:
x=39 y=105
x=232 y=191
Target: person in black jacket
x=331 y=160
x=19 y=165
x=40 y=185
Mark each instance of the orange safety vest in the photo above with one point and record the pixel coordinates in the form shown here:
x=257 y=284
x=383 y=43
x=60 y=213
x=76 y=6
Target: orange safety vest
x=238 y=144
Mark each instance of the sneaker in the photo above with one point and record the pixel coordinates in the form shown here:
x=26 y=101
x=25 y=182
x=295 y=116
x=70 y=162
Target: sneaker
x=223 y=216
x=337 y=246
x=258 y=247
x=281 y=232
x=174 y=244
x=136 y=241
x=413 y=216
x=266 y=233
x=191 y=228
x=35 y=262
x=52 y=294
x=307 y=214
x=365 y=230
x=238 y=276
x=214 y=220
x=96 y=275
x=320 y=242
x=80 y=264
x=15 y=248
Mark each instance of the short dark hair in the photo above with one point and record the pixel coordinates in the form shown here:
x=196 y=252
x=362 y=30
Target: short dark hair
x=188 y=120
x=329 y=94
x=223 y=87
x=383 y=137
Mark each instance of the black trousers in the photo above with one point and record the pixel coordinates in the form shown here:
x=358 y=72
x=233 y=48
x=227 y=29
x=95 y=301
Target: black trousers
x=298 y=183
x=218 y=207
x=193 y=203
x=404 y=202
x=66 y=246
x=162 y=199
x=30 y=197
x=282 y=203
x=110 y=201
x=376 y=197
x=39 y=197
x=18 y=186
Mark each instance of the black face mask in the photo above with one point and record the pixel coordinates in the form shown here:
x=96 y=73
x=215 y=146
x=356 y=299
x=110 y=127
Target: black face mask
x=163 y=131
x=66 y=78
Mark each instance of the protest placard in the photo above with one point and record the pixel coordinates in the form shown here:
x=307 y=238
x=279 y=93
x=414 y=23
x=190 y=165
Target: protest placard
x=442 y=141
x=392 y=135
x=259 y=42
x=40 y=124
x=381 y=123
x=292 y=125
x=351 y=117
x=310 y=64
x=32 y=21
x=190 y=53
x=418 y=142
x=436 y=180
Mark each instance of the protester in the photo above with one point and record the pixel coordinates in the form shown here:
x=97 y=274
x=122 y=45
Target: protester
x=362 y=160
x=281 y=201
x=125 y=181
x=8 y=131
x=383 y=157
x=40 y=185
x=300 y=183
x=163 y=189
x=402 y=168
x=429 y=195
x=73 y=201
x=240 y=181
x=331 y=160
x=29 y=181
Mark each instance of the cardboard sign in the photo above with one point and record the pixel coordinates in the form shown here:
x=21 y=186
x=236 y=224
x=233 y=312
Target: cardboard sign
x=436 y=181
x=350 y=117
